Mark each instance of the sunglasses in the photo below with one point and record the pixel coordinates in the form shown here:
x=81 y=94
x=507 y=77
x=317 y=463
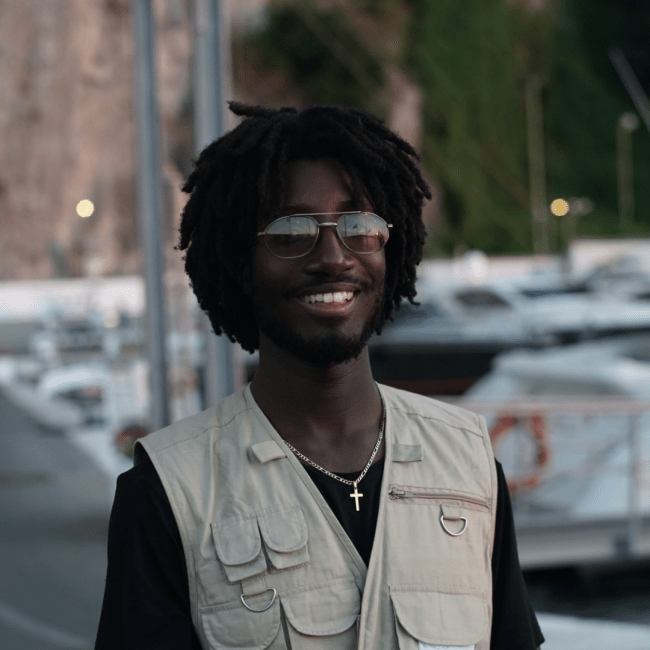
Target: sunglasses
x=296 y=235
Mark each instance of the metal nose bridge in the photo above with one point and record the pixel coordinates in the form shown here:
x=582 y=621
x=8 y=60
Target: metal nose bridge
x=338 y=234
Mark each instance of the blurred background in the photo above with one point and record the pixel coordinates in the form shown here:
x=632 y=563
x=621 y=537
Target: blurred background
x=532 y=120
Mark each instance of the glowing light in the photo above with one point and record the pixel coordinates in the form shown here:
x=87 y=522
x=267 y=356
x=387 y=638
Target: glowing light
x=85 y=208
x=629 y=121
x=559 y=207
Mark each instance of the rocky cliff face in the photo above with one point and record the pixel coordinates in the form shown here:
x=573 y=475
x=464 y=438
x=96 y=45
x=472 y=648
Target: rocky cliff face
x=67 y=131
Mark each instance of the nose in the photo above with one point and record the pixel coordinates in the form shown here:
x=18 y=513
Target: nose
x=329 y=254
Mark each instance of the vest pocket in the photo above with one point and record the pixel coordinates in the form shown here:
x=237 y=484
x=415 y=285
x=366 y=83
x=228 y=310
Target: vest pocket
x=284 y=532
x=426 y=620
x=323 y=618
x=239 y=547
x=238 y=542
x=232 y=626
x=455 y=526
x=422 y=495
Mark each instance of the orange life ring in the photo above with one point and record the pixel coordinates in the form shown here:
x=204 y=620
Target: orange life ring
x=537 y=425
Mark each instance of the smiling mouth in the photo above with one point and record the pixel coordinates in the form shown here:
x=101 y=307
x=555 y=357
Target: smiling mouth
x=338 y=297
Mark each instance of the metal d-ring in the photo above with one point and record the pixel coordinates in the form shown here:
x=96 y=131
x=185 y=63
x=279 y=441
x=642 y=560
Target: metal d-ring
x=275 y=593
x=442 y=521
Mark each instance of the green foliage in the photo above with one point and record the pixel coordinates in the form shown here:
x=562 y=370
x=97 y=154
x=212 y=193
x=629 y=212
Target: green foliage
x=322 y=54
x=471 y=60
x=378 y=7
x=584 y=102
x=464 y=57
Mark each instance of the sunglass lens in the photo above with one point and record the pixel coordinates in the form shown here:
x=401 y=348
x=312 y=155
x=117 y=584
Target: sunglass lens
x=291 y=236
x=363 y=232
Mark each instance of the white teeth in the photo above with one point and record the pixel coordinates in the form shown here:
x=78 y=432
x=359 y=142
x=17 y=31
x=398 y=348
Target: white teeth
x=338 y=296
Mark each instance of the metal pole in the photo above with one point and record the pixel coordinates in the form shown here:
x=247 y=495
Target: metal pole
x=149 y=184
x=209 y=109
x=537 y=165
x=631 y=83
x=208 y=71
x=627 y=123
x=634 y=513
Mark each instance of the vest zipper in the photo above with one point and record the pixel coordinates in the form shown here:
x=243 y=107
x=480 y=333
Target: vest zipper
x=396 y=492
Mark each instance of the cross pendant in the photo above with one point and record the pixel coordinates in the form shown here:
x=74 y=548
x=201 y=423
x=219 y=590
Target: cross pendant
x=356 y=495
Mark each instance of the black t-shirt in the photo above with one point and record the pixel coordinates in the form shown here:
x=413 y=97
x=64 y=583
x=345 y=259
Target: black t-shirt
x=146 y=599
x=360 y=526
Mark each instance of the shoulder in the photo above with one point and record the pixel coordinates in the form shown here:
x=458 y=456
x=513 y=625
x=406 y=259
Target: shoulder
x=196 y=430
x=419 y=407
x=140 y=504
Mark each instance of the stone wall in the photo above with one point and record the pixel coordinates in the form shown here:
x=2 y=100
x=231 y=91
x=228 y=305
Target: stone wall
x=67 y=131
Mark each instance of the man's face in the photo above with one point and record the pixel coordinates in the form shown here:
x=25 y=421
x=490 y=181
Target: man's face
x=321 y=333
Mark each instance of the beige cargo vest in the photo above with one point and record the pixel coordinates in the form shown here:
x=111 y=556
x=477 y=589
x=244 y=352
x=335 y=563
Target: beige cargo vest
x=269 y=565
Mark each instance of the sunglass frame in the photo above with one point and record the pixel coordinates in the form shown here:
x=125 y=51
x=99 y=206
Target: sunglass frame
x=326 y=223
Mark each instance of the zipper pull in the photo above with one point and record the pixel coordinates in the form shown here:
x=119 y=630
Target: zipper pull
x=394 y=493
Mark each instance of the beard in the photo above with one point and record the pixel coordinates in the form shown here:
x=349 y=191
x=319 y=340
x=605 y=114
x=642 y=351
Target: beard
x=329 y=349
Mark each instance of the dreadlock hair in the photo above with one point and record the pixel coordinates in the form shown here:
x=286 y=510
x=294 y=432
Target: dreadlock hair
x=242 y=176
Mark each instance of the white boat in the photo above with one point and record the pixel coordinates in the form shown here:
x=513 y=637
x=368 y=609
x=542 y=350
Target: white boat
x=571 y=426
x=448 y=343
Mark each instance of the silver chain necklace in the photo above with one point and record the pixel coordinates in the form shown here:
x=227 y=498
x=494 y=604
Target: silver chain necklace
x=356 y=495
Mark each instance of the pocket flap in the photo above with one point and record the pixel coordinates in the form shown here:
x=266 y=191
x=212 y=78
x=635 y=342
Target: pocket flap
x=237 y=540
x=233 y=627
x=439 y=618
x=284 y=530
x=323 y=611
x=239 y=548
x=406 y=453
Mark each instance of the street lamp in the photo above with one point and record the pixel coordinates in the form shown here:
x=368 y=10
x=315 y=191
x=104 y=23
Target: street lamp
x=568 y=210
x=85 y=208
x=537 y=165
x=626 y=125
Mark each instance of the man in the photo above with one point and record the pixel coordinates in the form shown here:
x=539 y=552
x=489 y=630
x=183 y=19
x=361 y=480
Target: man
x=313 y=509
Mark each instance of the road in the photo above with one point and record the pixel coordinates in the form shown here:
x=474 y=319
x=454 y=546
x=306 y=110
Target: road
x=54 y=509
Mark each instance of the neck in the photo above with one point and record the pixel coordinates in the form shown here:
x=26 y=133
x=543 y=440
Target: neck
x=318 y=408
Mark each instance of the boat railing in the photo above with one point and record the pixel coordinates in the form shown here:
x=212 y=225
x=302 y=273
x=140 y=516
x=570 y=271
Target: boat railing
x=579 y=475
